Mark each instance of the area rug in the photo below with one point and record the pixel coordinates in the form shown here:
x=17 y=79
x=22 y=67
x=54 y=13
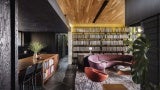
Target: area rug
x=83 y=83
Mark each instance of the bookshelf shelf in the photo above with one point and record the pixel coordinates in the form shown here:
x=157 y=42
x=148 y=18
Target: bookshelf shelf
x=103 y=40
x=100 y=45
x=50 y=66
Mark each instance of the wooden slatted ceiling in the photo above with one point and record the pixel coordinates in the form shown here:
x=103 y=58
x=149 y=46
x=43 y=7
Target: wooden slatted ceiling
x=114 y=13
x=84 y=11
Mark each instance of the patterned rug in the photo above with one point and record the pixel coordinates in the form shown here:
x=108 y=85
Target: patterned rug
x=83 y=83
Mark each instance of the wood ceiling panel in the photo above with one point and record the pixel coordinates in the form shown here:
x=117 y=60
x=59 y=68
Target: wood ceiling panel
x=85 y=11
x=114 y=13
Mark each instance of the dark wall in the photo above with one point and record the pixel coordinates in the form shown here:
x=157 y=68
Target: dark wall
x=5 y=45
x=39 y=16
x=137 y=10
x=146 y=13
x=36 y=18
x=159 y=47
x=47 y=38
x=152 y=30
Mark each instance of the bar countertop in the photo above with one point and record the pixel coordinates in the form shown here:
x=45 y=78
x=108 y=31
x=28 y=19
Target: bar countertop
x=25 y=62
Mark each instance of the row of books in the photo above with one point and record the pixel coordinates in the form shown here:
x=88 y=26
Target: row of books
x=80 y=42
x=101 y=36
x=99 y=49
x=115 y=49
x=48 y=72
x=102 y=29
x=95 y=42
x=48 y=63
x=109 y=53
x=118 y=42
x=86 y=49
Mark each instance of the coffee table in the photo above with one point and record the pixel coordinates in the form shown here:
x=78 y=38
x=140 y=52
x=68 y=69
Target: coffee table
x=123 y=71
x=114 y=87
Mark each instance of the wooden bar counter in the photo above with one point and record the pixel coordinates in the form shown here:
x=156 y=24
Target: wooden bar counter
x=50 y=63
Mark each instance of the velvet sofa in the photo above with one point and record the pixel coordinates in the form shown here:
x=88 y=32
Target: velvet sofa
x=101 y=61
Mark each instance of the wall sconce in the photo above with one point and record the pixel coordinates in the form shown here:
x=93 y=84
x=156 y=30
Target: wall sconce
x=90 y=49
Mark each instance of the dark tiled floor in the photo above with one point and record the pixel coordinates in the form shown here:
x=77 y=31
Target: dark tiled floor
x=64 y=78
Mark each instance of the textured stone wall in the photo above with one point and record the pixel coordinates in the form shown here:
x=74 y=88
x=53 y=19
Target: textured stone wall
x=5 y=45
x=15 y=44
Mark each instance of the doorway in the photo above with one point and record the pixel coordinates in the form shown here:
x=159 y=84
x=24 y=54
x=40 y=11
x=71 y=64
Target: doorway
x=61 y=44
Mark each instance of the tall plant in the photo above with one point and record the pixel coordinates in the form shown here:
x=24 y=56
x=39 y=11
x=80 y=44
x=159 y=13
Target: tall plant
x=139 y=49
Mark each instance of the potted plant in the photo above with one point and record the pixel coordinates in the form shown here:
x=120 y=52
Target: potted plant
x=139 y=50
x=36 y=47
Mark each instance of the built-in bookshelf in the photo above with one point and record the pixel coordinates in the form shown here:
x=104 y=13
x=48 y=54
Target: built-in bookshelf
x=49 y=66
x=103 y=40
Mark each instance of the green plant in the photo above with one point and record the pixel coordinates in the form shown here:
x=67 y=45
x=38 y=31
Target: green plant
x=36 y=46
x=133 y=34
x=139 y=49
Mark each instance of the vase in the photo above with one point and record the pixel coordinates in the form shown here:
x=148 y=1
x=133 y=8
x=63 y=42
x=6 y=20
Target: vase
x=35 y=57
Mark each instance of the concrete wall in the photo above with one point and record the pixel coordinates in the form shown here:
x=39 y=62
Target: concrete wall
x=8 y=46
x=70 y=47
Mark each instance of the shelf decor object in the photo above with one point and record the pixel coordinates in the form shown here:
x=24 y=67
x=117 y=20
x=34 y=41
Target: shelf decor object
x=90 y=50
x=36 y=47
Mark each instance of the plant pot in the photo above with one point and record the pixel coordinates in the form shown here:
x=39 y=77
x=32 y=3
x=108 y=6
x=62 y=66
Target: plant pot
x=35 y=56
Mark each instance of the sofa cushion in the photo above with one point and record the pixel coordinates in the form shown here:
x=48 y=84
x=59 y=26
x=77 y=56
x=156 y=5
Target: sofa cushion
x=127 y=58
x=110 y=60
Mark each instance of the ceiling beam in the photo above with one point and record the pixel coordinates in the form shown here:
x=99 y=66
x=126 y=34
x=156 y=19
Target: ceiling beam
x=56 y=7
x=100 y=10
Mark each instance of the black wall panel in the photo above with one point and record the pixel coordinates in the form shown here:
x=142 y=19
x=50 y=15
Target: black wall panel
x=137 y=10
x=47 y=38
x=39 y=16
x=151 y=29
x=159 y=46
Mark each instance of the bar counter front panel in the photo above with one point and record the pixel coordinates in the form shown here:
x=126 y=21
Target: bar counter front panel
x=50 y=63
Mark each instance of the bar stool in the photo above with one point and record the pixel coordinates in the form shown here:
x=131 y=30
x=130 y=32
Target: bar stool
x=28 y=78
x=37 y=73
x=21 y=75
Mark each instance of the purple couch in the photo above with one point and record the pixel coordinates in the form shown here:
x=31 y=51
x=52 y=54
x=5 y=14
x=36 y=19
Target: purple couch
x=101 y=61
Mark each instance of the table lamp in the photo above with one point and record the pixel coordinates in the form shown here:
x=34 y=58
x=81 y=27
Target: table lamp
x=90 y=49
